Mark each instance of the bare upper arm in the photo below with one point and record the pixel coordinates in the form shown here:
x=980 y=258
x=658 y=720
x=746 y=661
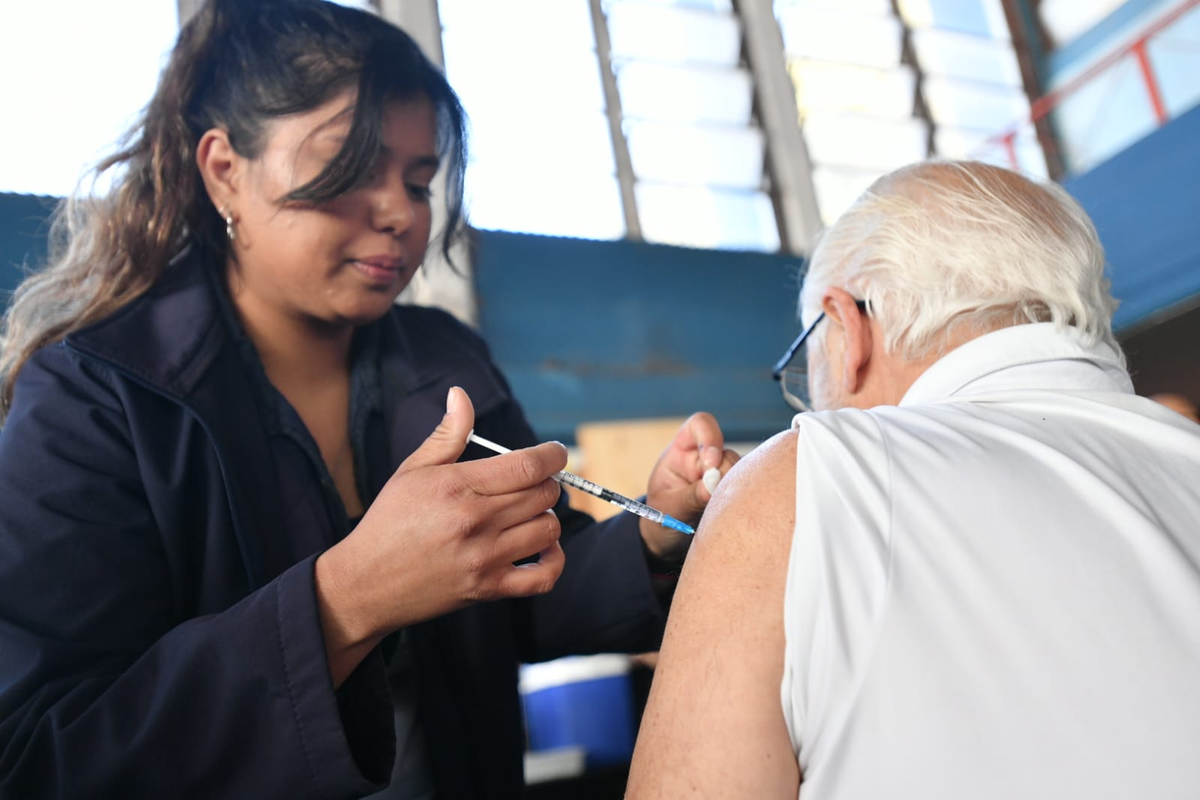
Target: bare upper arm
x=714 y=726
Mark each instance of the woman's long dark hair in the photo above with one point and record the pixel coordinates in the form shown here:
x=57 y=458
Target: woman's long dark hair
x=237 y=65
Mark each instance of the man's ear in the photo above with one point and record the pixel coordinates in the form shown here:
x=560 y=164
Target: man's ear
x=220 y=167
x=857 y=341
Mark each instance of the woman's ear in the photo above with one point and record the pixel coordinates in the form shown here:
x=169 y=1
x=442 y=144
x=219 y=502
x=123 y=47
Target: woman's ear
x=857 y=340
x=220 y=167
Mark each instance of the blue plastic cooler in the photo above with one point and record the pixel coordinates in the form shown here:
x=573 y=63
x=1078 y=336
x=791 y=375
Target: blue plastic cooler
x=580 y=701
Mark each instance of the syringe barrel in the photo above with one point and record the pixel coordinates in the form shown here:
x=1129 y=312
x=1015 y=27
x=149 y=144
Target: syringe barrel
x=583 y=484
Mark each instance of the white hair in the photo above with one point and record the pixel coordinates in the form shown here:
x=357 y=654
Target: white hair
x=939 y=245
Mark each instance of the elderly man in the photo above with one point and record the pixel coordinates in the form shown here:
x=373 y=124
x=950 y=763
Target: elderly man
x=974 y=570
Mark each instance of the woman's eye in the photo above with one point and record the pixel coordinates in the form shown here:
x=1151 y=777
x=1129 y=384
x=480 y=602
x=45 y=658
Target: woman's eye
x=364 y=180
x=420 y=191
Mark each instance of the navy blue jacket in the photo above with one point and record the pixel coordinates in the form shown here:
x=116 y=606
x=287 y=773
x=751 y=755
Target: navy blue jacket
x=145 y=652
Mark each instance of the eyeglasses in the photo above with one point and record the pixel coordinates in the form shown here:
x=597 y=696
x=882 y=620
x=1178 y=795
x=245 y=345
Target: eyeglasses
x=793 y=381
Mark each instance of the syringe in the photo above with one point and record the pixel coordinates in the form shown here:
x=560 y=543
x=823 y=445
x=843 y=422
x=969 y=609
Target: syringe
x=573 y=480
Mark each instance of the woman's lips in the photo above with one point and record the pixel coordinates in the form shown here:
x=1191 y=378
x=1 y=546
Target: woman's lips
x=379 y=269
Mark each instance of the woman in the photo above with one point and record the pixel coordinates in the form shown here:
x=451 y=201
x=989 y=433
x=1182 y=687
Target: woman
x=234 y=560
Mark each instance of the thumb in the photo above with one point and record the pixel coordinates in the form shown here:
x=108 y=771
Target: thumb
x=449 y=438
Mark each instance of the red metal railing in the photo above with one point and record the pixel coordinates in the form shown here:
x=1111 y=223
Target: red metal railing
x=1136 y=49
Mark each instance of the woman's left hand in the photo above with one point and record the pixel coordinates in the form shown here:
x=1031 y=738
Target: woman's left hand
x=677 y=485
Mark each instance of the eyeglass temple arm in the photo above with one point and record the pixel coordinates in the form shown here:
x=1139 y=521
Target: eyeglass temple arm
x=781 y=364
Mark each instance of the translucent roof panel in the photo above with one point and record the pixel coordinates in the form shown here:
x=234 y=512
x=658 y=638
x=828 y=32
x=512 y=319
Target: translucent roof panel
x=540 y=141
x=984 y=18
x=565 y=145
x=573 y=86
x=722 y=156
x=870 y=144
x=1104 y=116
x=503 y=197
x=829 y=87
x=673 y=34
x=63 y=67
x=1175 y=55
x=838 y=187
x=869 y=7
x=1066 y=20
x=561 y=24
x=962 y=55
x=707 y=5
x=838 y=35
x=698 y=216
x=973 y=104
x=685 y=94
x=1023 y=153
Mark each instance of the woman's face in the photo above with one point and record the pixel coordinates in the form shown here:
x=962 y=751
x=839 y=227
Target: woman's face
x=342 y=262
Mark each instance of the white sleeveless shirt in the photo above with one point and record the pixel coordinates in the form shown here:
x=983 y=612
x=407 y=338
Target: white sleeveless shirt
x=994 y=587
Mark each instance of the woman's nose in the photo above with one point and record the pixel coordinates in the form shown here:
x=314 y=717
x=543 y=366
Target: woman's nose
x=391 y=207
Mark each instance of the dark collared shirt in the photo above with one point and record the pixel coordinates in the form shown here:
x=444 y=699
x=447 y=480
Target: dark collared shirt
x=290 y=439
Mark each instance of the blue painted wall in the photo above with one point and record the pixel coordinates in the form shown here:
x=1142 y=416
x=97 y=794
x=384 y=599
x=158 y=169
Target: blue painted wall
x=23 y=228
x=1145 y=202
x=618 y=330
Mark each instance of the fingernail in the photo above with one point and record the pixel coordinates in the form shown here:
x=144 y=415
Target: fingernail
x=451 y=401
x=712 y=476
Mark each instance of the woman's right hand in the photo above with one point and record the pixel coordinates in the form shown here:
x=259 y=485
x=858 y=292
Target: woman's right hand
x=440 y=536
